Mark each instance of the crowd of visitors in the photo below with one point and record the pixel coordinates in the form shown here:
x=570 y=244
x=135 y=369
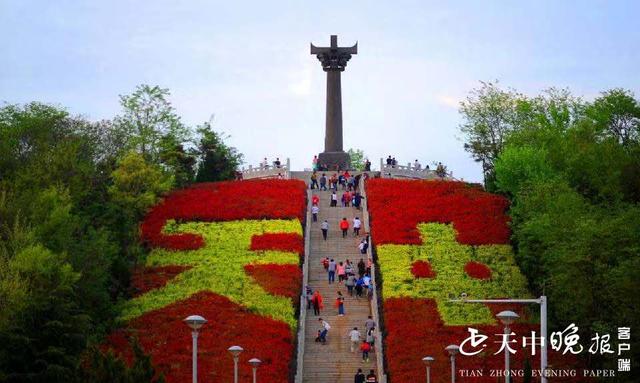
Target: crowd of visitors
x=343 y=191
x=344 y=180
x=318 y=166
x=359 y=283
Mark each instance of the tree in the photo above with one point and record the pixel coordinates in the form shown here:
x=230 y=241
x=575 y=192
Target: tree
x=105 y=367
x=490 y=114
x=71 y=198
x=617 y=114
x=518 y=166
x=216 y=160
x=180 y=162
x=571 y=172
x=148 y=119
x=137 y=185
x=43 y=341
x=357 y=159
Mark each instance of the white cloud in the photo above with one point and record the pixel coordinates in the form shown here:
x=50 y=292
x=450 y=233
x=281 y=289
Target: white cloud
x=448 y=101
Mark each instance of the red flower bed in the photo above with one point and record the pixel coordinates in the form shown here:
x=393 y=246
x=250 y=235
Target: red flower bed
x=167 y=339
x=414 y=330
x=422 y=269
x=222 y=201
x=151 y=278
x=285 y=280
x=477 y=270
x=397 y=207
x=290 y=242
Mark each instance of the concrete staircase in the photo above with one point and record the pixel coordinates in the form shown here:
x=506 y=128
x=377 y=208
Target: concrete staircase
x=333 y=362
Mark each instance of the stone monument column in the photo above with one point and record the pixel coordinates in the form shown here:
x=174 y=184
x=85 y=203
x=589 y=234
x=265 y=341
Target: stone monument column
x=334 y=60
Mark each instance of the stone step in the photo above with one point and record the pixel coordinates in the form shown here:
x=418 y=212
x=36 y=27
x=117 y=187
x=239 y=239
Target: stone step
x=333 y=361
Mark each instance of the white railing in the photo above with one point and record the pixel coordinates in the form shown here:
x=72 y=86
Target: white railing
x=303 y=300
x=375 y=313
x=411 y=172
x=268 y=171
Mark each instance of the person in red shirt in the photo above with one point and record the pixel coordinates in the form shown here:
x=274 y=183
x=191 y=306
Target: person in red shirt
x=346 y=198
x=316 y=301
x=315 y=199
x=365 y=348
x=325 y=263
x=344 y=226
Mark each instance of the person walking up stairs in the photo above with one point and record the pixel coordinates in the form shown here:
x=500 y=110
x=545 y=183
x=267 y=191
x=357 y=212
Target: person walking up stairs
x=337 y=357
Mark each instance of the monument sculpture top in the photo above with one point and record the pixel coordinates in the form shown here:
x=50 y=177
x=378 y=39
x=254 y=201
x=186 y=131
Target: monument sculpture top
x=334 y=60
x=333 y=57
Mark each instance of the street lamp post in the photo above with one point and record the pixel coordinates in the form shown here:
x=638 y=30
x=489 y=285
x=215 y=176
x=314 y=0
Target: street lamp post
x=507 y=318
x=542 y=301
x=255 y=363
x=195 y=322
x=427 y=360
x=452 y=349
x=235 y=351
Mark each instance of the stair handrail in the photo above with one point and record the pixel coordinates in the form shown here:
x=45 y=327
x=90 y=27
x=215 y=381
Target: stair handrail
x=303 y=300
x=379 y=347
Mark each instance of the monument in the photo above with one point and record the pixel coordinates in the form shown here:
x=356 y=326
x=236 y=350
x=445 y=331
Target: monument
x=334 y=60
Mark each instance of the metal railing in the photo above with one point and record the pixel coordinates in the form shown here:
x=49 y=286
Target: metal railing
x=267 y=171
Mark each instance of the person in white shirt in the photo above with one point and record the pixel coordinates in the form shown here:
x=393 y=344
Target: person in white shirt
x=314 y=212
x=264 y=164
x=356 y=226
x=324 y=331
x=417 y=165
x=354 y=337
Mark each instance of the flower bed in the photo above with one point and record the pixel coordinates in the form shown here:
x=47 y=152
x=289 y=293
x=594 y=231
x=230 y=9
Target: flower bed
x=414 y=330
x=289 y=242
x=219 y=267
x=222 y=201
x=422 y=269
x=399 y=206
x=283 y=280
x=238 y=246
x=145 y=279
x=462 y=233
x=477 y=270
x=164 y=336
x=448 y=259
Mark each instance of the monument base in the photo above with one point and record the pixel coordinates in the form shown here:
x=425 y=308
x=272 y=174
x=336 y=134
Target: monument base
x=334 y=160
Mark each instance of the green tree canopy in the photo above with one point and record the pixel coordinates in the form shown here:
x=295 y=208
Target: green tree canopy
x=572 y=171
x=357 y=157
x=138 y=184
x=216 y=160
x=147 y=119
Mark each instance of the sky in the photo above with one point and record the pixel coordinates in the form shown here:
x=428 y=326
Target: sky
x=247 y=64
